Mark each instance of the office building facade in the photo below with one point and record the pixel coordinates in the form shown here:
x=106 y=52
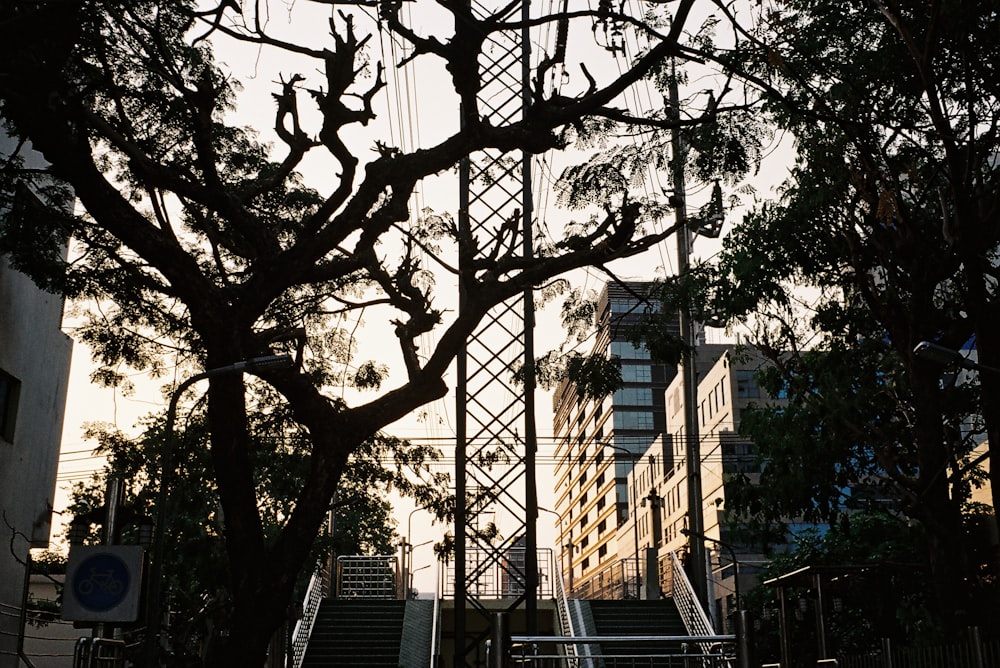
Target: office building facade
x=599 y=441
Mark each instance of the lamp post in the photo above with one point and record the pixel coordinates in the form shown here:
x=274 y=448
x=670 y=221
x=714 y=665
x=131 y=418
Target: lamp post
x=732 y=558
x=155 y=591
x=933 y=352
x=634 y=456
x=408 y=546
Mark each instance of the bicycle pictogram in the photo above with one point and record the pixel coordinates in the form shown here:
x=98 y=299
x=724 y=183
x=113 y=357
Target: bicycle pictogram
x=104 y=582
x=101 y=582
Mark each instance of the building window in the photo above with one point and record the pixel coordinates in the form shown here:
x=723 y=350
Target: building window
x=584 y=542
x=602 y=551
x=599 y=483
x=746 y=385
x=627 y=351
x=637 y=373
x=600 y=503
x=583 y=522
x=602 y=527
x=634 y=396
x=585 y=564
x=633 y=420
x=10 y=392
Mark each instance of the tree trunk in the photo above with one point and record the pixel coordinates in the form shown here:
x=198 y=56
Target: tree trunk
x=935 y=507
x=250 y=635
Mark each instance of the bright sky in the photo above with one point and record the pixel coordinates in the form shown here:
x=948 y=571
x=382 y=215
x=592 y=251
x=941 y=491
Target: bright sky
x=414 y=110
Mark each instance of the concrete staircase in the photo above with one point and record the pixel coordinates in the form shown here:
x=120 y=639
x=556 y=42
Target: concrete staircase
x=356 y=632
x=638 y=618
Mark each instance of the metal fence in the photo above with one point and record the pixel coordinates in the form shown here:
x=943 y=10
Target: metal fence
x=617 y=581
x=367 y=577
x=304 y=626
x=973 y=653
x=554 y=652
x=493 y=575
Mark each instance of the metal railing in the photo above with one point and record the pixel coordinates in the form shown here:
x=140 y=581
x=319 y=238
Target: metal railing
x=436 y=621
x=973 y=653
x=99 y=653
x=367 y=577
x=565 y=616
x=501 y=578
x=549 y=652
x=693 y=615
x=680 y=589
x=617 y=581
x=304 y=626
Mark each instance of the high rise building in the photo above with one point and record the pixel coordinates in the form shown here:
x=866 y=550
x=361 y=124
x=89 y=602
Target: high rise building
x=598 y=442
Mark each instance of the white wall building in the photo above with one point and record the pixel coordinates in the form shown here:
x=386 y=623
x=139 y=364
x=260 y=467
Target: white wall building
x=726 y=387
x=34 y=372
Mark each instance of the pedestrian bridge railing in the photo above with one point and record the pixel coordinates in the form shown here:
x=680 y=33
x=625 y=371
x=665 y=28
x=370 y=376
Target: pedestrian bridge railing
x=553 y=652
x=368 y=577
x=304 y=625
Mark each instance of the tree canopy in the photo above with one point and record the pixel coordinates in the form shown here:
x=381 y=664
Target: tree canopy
x=890 y=219
x=195 y=565
x=203 y=241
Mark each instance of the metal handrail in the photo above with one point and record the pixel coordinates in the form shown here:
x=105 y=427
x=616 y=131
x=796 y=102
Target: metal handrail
x=95 y=651
x=583 y=640
x=501 y=578
x=435 y=619
x=707 y=658
x=692 y=614
x=360 y=576
x=616 y=581
x=566 y=619
x=304 y=626
x=695 y=619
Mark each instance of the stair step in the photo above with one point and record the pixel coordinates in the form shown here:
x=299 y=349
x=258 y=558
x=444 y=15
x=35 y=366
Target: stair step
x=639 y=618
x=356 y=633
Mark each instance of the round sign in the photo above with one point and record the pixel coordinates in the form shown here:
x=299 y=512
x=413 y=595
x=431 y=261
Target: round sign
x=101 y=582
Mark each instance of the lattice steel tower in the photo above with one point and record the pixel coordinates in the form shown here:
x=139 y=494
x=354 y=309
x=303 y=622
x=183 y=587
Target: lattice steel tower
x=496 y=437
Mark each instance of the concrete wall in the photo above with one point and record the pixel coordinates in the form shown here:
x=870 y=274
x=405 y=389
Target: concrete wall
x=35 y=351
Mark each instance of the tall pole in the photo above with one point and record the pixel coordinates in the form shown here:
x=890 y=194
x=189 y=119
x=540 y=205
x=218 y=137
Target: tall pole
x=696 y=522
x=635 y=526
x=461 y=433
x=530 y=435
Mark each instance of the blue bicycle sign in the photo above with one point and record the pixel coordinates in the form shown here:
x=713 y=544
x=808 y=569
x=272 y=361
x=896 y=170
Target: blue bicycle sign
x=101 y=582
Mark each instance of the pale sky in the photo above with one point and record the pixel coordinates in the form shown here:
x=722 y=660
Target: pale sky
x=421 y=98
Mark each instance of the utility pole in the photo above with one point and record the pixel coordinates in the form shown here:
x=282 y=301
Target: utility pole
x=696 y=522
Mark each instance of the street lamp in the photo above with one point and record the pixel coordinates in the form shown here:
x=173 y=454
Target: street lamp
x=938 y=354
x=155 y=592
x=732 y=557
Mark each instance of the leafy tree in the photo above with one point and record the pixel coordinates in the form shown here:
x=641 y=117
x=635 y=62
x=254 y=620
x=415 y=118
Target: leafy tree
x=890 y=217
x=196 y=526
x=874 y=564
x=203 y=242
